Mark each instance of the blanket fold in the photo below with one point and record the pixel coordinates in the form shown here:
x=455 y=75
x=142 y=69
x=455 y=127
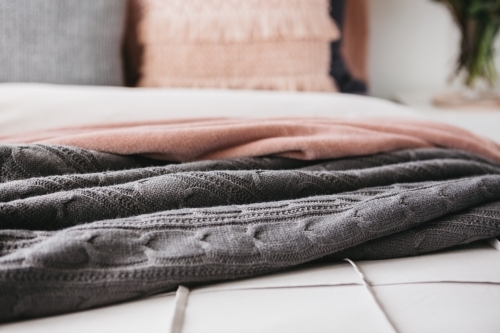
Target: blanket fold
x=299 y=138
x=458 y=228
x=216 y=188
x=27 y=161
x=103 y=262
x=80 y=228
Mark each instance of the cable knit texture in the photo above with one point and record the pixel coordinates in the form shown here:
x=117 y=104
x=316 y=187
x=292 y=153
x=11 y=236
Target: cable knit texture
x=252 y=44
x=72 y=239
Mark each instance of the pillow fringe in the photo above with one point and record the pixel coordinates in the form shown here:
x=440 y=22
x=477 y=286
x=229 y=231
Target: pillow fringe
x=240 y=21
x=290 y=83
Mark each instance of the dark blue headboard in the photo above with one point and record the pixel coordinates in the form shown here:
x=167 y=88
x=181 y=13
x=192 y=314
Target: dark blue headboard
x=338 y=68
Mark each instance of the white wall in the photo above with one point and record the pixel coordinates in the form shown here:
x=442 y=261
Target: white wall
x=412 y=47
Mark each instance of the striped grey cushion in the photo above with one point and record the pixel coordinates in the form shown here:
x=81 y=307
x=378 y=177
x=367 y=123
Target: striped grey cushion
x=62 y=41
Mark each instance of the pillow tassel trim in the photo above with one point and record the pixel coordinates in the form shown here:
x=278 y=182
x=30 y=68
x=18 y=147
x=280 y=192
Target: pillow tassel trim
x=286 y=20
x=287 y=83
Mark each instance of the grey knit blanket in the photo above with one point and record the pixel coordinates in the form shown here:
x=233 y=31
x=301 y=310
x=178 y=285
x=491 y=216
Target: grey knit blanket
x=80 y=229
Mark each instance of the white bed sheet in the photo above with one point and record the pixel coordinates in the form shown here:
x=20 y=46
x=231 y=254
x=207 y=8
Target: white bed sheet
x=30 y=107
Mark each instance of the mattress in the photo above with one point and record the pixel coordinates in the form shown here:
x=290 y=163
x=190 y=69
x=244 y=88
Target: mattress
x=454 y=290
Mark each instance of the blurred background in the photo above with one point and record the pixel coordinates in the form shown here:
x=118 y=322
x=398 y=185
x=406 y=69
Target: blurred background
x=413 y=46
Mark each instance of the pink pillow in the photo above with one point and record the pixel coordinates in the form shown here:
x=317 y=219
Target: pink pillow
x=241 y=44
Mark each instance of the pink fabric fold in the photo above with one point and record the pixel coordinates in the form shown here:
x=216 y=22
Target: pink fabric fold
x=300 y=138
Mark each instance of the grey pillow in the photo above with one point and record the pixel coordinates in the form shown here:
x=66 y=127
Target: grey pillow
x=62 y=41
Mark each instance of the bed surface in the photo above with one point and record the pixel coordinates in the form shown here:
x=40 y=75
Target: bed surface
x=31 y=107
x=457 y=290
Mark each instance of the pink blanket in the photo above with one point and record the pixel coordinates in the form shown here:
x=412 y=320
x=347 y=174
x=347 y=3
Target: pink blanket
x=300 y=138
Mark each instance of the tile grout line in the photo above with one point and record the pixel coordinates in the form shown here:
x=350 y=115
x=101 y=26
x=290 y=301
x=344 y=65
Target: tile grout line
x=181 y=298
x=372 y=294
x=182 y=294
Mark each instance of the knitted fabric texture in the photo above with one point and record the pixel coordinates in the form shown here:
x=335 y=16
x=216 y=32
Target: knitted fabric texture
x=253 y=44
x=63 y=42
x=24 y=180
x=301 y=138
x=72 y=240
